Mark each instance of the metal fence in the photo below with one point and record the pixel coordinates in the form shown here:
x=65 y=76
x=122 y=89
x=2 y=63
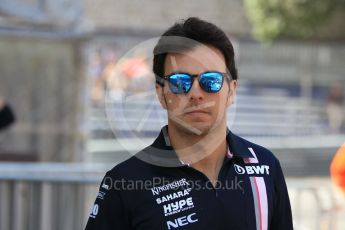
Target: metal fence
x=40 y=196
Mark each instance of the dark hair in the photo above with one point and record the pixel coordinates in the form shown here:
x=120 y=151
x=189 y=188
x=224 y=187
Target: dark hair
x=188 y=34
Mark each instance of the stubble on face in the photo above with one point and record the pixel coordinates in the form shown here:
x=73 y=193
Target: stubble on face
x=212 y=106
x=198 y=127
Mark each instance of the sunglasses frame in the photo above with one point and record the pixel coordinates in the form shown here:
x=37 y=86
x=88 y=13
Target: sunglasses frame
x=160 y=80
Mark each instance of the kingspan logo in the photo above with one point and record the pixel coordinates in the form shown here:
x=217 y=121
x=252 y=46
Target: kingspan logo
x=252 y=169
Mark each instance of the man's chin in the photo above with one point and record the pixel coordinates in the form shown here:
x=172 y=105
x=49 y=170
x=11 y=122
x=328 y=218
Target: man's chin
x=195 y=128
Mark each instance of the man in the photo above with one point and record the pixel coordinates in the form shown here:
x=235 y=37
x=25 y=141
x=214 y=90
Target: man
x=337 y=168
x=197 y=174
x=6 y=115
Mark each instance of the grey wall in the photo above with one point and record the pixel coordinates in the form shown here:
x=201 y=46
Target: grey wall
x=41 y=79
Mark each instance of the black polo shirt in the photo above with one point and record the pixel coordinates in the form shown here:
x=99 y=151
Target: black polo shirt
x=155 y=190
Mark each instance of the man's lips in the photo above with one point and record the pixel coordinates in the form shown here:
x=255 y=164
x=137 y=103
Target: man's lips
x=204 y=108
x=197 y=111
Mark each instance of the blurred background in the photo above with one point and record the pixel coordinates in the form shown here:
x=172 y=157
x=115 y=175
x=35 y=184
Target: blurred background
x=76 y=98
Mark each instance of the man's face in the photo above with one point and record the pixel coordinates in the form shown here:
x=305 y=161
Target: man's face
x=196 y=112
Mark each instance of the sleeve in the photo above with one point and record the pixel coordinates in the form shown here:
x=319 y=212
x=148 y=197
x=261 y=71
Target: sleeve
x=108 y=211
x=6 y=117
x=281 y=216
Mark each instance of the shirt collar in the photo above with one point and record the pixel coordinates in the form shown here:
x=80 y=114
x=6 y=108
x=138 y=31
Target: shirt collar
x=161 y=152
x=238 y=146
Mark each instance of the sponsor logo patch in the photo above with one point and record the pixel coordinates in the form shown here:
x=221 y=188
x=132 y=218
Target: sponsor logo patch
x=252 y=169
x=178 y=206
x=94 y=211
x=182 y=221
x=101 y=195
x=173 y=196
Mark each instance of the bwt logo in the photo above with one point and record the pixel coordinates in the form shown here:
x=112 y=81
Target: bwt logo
x=182 y=221
x=252 y=169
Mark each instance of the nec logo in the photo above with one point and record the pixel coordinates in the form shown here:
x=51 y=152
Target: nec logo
x=252 y=169
x=182 y=221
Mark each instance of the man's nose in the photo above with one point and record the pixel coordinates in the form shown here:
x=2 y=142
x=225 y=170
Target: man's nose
x=196 y=92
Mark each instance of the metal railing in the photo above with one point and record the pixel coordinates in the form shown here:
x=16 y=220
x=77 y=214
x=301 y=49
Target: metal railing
x=41 y=196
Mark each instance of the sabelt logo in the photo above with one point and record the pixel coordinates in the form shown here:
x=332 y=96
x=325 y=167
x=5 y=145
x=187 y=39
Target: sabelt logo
x=252 y=169
x=94 y=211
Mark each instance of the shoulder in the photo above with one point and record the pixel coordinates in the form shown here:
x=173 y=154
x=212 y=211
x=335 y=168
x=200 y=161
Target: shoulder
x=134 y=168
x=264 y=158
x=263 y=155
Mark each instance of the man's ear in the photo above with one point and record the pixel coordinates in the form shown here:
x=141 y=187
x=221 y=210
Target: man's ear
x=232 y=92
x=159 y=92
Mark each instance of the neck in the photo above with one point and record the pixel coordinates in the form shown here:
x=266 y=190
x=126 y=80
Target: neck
x=203 y=152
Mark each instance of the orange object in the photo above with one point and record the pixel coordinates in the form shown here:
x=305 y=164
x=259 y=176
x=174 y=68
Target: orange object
x=338 y=168
x=135 y=67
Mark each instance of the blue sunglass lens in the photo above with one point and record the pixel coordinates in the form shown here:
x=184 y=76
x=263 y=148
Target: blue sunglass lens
x=180 y=83
x=211 y=82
